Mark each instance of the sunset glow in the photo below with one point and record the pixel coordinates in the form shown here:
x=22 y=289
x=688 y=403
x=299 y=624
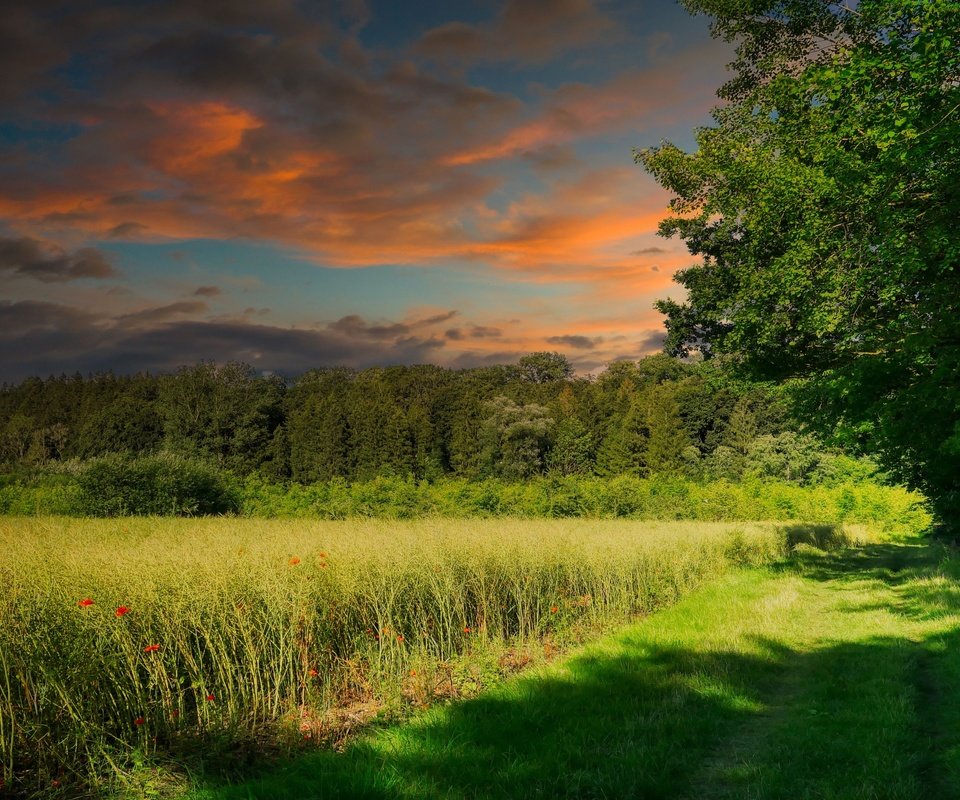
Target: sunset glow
x=196 y=183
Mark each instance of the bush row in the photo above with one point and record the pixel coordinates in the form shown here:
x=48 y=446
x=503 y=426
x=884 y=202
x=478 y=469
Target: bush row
x=629 y=497
x=167 y=485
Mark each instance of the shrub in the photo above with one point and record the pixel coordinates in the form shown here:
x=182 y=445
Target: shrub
x=162 y=484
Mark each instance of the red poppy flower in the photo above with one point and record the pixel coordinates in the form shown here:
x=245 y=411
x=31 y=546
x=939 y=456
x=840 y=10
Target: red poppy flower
x=553 y=609
x=210 y=698
x=122 y=610
x=399 y=638
x=294 y=561
x=85 y=603
x=139 y=721
x=174 y=714
x=313 y=673
x=413 y=672
x=466 y=630
x=151 y=648
x=323 y=554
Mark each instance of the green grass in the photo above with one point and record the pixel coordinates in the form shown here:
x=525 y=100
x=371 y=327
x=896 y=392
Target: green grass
x=834 y=676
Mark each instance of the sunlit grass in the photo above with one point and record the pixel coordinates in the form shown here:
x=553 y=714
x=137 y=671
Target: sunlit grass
x=249 y=635
x=832 y=675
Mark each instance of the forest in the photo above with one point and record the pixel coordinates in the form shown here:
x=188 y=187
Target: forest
x=660 y=415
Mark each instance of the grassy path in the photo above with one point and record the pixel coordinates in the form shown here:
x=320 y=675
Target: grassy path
x=836 y=677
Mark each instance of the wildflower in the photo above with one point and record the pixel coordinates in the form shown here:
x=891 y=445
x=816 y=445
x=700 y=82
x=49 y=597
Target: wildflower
x=323 y=554
x=151 y=648
x=413 y=672
x=85 y=603
x=294 y=561
x=122 y=611
x=139 y=721
x=553 y=609
x=467 y=629
x=399 y=638
x=55 y=783
x=313 y=673
x=174 y=714
x=211 y=697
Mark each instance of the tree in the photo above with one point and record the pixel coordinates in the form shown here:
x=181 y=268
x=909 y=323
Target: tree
x=223 y=412
x=318 y=430
x=667 y=440
x=16 y=437
x=572 y=451
x=513 y=438
x=623 y=449
x=823 y=202
x=544 y=368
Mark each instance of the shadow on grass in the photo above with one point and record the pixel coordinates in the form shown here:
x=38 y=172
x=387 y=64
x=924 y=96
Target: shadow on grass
x=868 y=719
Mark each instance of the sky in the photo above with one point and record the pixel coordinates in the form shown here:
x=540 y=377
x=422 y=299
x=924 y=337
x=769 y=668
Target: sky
x=338 y=182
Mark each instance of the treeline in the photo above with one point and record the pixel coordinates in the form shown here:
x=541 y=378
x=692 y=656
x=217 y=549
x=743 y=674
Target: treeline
x=656 y=416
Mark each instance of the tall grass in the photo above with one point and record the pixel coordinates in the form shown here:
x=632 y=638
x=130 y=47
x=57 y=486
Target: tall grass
x=235 y=635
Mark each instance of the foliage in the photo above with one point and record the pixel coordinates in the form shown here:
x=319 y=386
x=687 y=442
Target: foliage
x=544 y=368
x=662 y=498
x=162 y=484
x=513 y=439
x=823 y=202
x=224 y=413
x=573 y=449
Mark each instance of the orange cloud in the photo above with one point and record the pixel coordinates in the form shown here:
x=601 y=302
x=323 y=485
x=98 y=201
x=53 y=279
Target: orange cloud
x=214 y=169
x=192 y=134
x=577 y=110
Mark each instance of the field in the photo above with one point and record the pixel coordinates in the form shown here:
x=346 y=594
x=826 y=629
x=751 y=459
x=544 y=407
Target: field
x=832 y=676
x=141 y=642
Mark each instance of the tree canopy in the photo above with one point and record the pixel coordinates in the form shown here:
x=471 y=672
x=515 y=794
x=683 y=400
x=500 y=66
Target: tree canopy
x=824 y=202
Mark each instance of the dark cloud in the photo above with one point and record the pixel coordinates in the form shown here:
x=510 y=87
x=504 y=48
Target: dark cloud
x=652 y=341
x=50 y=263
x=436 y=319
x=650 y=251
x=524 y=30
x=207 y=291
x=484 y=332
x=151 y=316
x=356 y=326
x=39 y=338
x=473 y=332
x=127 y=230
x=575 y=341
x=29 y=48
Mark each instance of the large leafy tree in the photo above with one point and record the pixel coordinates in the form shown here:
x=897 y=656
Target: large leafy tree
x=824 y=202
